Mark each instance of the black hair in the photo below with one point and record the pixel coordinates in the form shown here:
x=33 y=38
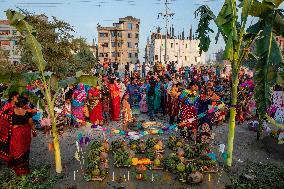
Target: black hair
x=22 y=101
x=12 y=95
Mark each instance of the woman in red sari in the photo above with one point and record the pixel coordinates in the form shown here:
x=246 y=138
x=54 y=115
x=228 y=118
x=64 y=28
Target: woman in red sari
x=115 y=100
x=15 y=136
x=95 y=105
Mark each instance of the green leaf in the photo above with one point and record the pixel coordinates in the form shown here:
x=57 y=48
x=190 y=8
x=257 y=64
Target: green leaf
x=203 y=30
x=246 y=8
x=229 y=49
x=226 y=20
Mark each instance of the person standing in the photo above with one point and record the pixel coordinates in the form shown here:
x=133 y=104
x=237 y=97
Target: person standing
x=95 y=105
x=78 y=102
x=115 y=100
x=16 y=125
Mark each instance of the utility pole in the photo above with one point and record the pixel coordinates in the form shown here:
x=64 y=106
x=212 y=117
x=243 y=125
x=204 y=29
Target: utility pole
x=166 y=15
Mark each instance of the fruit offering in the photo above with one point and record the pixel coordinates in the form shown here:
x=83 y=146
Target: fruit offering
x=97 y=160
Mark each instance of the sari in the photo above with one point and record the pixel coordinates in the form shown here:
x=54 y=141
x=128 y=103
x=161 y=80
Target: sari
x=15 y=143
x=115 y=102
x=134 y=98
x=158 y=96
x=78 y=102
x=95 y=106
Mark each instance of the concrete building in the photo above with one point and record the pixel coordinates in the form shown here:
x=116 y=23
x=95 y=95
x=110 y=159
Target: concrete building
x=182 y=49
x=119 y=43
x=280 y=40
x=9 y=37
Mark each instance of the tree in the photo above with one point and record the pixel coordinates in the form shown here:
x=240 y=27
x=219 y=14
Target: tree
x=239 y=39
x=83 y=59
x=19 y=21
x=55 y=37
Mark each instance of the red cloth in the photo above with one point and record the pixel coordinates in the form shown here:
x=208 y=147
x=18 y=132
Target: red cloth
x=96 y=114
x=20 y=141
x=115 y=102
x=189 y=112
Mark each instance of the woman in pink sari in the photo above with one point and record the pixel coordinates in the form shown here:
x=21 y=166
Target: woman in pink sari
x=115 y=100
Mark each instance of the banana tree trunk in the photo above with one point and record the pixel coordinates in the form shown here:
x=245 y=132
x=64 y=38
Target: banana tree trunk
x=57 y=154
x=232 y=124
x=56 y=144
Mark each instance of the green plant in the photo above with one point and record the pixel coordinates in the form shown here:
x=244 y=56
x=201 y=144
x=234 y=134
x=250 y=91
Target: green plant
x=239 y=40
x=18 y=21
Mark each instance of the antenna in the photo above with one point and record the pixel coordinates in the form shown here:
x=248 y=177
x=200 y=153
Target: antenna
x=166 y=15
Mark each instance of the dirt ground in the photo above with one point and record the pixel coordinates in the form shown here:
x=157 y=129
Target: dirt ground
x=246 y=148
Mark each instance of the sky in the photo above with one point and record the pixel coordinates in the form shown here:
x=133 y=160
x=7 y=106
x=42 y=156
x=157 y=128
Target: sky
x=84 y=15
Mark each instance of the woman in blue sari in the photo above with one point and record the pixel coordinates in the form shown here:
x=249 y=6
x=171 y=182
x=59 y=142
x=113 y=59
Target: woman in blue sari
x=158 y=95
x=134 y=97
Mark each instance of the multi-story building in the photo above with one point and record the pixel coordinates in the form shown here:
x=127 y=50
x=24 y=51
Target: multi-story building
x=181 y=49
x=9 y=37
x=119 y=43
x=280 y=40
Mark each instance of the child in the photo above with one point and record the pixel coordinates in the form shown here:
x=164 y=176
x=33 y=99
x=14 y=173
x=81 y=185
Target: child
x=143 y=102
x=126 y=112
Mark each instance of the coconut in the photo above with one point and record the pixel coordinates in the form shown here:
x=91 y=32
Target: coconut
x=195 y=177
x=181 y=167
x=103 y=156
x=180 y=152
x=141 y=169
x=106 y=146
x=160 y=143
x=104 y=165
x=96 y=172
x=157 y=162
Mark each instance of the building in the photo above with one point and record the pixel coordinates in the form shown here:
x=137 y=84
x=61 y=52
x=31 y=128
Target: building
x=94 y=49
x=280 y=40
x=181 y=49
x=147 y=52
x=119 y=43
x=9 y=37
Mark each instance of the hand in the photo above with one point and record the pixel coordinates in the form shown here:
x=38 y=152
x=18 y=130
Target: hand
x=34 y=133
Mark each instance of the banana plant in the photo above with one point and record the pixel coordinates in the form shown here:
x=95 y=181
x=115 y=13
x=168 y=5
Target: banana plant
x=18 y=21
x=239 y=41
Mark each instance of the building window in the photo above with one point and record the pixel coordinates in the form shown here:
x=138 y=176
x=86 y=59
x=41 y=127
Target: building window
x=119 y=34
x=103 y=34
x=113 y=54
x=195 y=59
x=129 y=55
x=129 y=45
x=118 y=54
x=101 y=55
x=104 y=44
x=137 y=26
x=136 y=45
x=185 y=58
x=129 y=26
x=129 y=35
x=172 y=45
x=185 y=45
x=119 y=44
x=136 y=55
x=113 y=34
x=137 y=35
x=156 y=57
x=113 y=44
x=106 y=54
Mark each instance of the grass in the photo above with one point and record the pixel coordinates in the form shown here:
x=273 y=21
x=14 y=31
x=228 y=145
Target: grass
x=39 y=178
x=259 y=176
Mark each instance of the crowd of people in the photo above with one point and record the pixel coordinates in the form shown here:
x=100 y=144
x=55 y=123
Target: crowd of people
x=194 y=98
